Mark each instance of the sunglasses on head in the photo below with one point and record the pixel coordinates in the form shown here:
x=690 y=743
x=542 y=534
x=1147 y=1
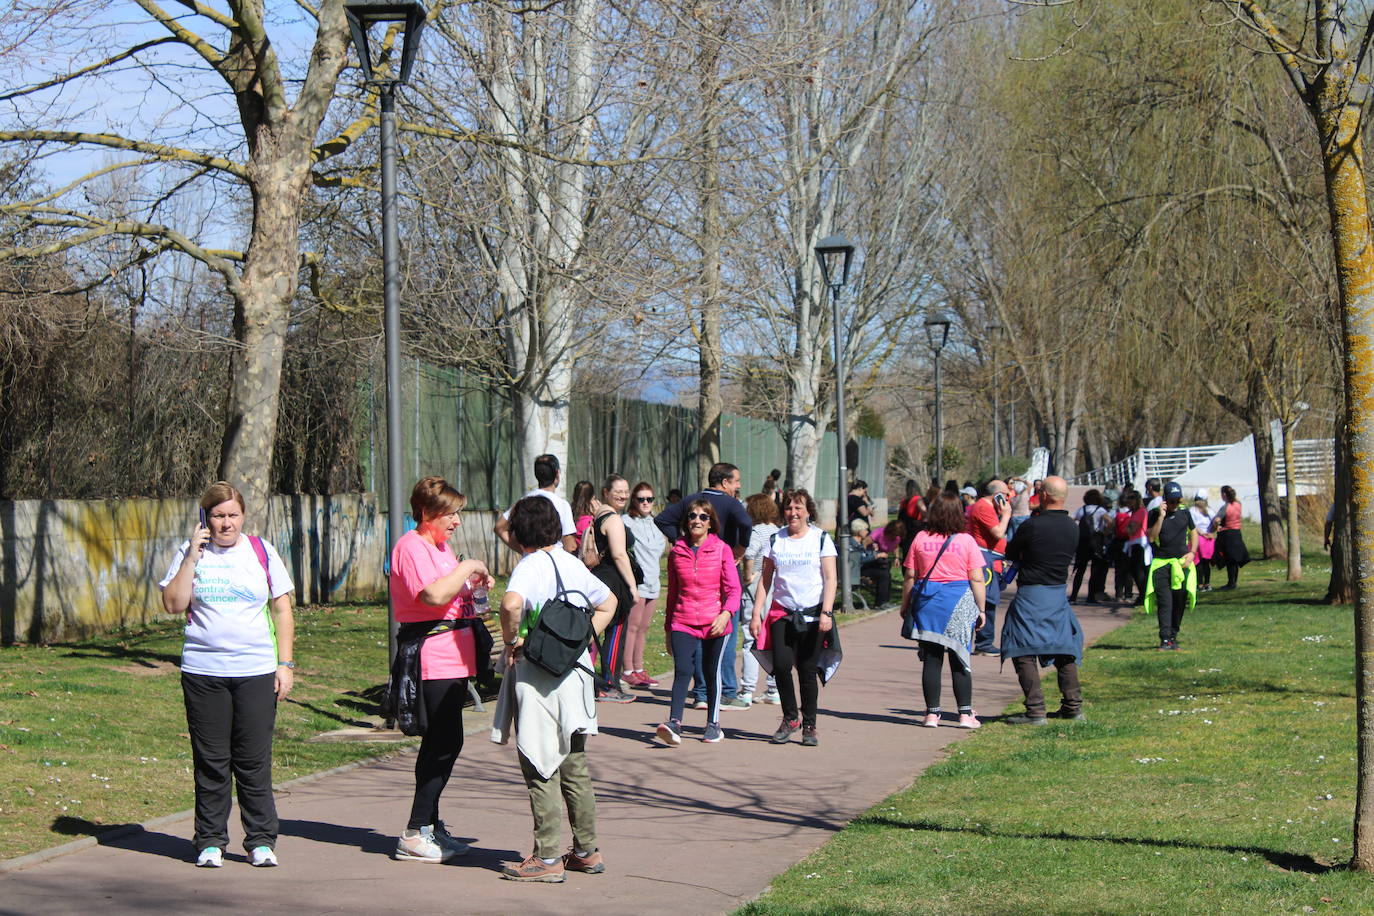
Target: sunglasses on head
x=699 y=515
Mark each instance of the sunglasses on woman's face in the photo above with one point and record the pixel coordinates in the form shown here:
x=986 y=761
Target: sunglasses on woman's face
x=701 y=516
x=644 y=499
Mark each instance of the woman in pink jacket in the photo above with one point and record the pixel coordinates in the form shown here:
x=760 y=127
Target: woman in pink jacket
x=703 y=596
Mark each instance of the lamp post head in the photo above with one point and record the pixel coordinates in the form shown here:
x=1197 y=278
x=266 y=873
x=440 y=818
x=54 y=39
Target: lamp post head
x=363 y=15
x=835 y=253
x=937 y=331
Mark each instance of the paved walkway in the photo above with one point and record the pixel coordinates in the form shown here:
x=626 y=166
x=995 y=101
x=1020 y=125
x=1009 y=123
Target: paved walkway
x=693 y=830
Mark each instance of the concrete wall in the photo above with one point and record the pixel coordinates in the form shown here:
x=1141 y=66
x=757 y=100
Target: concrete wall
x=72 y=568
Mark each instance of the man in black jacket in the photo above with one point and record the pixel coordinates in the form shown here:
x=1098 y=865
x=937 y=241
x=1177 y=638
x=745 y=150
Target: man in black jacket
x=1041 y=628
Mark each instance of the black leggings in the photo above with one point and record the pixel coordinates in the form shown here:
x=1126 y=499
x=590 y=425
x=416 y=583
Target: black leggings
x=802 y=652
x=439 y=749
x=1204 y=571
x=933 y=657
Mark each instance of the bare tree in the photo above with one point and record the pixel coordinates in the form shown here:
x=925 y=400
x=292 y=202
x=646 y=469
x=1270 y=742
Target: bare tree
x=262 y=150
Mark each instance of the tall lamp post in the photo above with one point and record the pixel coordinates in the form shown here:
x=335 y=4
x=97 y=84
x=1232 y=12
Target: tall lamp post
x=937 y=334
x=835 y=254
x=995 y=332
x=365 y=16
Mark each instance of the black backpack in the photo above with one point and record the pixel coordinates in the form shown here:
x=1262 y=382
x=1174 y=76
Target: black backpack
x=562 y=633
x=1091 y=540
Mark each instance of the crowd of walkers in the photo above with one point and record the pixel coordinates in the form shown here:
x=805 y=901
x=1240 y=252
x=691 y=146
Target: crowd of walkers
x=748 y=617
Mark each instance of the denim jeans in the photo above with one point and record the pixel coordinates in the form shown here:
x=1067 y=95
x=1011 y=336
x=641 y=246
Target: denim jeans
x=749 y=673
x=985 y=637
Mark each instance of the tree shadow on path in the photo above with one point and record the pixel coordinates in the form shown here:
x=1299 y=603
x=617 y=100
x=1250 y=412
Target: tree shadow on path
x=1286 y=860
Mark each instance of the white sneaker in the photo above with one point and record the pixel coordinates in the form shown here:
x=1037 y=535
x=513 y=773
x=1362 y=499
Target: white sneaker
x=420 y=846
x=210 y=857
x=262 y=857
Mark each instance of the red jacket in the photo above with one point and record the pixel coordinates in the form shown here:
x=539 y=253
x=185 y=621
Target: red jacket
x=701 y=584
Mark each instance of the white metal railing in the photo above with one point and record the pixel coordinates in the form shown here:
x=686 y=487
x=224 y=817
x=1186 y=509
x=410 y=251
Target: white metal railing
x=1313 y=459
x=1122 y=472
x=1167 y=463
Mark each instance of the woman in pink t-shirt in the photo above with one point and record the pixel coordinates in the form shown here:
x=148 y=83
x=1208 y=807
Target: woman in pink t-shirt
x=948 y=606
x=430 y=585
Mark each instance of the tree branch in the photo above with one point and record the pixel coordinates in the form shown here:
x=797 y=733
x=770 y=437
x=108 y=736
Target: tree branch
x=1289 y=53
x=218 y=260
x=212 y=55
x=77 y=74
x=113 y=141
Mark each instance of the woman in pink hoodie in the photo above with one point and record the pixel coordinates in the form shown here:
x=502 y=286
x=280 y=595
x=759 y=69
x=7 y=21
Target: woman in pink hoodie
x=703 y=596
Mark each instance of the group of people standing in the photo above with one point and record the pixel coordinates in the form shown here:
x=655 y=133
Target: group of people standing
x=761 y=571
x=1116 y=529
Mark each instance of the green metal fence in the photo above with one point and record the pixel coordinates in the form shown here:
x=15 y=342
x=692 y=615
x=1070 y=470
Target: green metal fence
x=464 y=431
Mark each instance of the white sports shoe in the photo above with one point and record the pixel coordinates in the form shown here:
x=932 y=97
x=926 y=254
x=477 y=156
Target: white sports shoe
x=262 y=857
x=421 y=847
x=210 y=857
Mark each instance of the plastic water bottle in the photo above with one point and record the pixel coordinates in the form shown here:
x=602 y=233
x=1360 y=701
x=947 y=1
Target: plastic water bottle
x=480 y=606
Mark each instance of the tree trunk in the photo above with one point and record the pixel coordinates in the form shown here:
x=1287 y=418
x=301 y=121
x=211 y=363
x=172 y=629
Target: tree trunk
x=804 y=446
x=1271 y=516
x=546 y=211
x=1290 y=485
x=261 y=313
x=1338 y=124
x=541 y=418
x=1340 y=589
x=709 y=347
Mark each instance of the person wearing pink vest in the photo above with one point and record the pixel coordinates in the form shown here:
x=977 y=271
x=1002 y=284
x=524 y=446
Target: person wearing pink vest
x=703 y=596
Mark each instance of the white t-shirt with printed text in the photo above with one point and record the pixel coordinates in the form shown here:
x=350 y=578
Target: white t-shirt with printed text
x=229 y=633
x=797 y=581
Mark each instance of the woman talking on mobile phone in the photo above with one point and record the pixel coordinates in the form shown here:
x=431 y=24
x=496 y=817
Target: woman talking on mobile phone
x=236 y=663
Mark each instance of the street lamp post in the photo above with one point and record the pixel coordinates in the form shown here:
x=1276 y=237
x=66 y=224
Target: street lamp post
x=835 y=254
x=995 y=330
x=374 y=56
x=937 y=333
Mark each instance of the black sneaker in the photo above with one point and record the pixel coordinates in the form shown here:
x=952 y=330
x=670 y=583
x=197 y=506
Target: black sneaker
x=1163 y=644
x=785 y=731
x=809 y=736
x=1027 y=720
x=1062 y=713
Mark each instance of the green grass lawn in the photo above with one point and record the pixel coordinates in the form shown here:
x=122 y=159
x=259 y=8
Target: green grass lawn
x=93 y=734
x=1219 y=778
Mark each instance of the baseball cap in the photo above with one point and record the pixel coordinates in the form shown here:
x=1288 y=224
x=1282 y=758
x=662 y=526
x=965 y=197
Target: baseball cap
x=1200 y=494
x=968 y=491
x=1172 y=490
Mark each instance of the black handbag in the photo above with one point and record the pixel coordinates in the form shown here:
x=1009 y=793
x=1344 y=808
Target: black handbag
x=562 y=633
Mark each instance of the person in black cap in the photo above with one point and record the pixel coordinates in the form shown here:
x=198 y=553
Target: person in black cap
x=1172 y=585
